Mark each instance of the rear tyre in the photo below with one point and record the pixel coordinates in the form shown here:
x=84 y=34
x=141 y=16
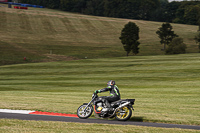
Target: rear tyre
x=84 y=114
x=123 y=114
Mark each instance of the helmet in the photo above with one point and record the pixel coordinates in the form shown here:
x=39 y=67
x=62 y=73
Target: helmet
x=111 y=82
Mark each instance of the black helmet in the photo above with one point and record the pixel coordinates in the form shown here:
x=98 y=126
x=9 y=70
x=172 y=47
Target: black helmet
x=111 y=82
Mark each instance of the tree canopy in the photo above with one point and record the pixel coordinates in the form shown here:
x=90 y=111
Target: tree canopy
x=197 y=39
x=166 y=34
x=186 y=12
x=176 y=46
x=129 y=38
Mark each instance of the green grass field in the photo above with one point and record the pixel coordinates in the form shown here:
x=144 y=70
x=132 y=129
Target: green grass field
x=19 y=126
x=166 y=87
x=50 y=35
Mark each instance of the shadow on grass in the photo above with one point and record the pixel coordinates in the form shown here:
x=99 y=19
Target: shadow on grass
x=137 y=118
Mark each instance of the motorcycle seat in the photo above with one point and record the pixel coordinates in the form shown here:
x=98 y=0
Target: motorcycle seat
x=118 y=101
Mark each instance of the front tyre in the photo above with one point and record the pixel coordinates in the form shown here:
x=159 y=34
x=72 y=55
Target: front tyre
x=84 y=114
x=123 y=114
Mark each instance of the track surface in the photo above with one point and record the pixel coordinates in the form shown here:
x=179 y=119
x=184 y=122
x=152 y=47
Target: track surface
x=72 y=119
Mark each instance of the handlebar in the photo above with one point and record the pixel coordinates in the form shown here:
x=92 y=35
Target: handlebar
x=94 y=95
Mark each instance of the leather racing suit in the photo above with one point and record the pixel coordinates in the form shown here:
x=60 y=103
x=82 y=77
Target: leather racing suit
x=114 y=94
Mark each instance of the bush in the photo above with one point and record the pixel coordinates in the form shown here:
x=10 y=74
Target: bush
x=176 y=46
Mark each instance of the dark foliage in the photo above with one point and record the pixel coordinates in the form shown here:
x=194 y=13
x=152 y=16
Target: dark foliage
x=166 y=34
x=176 y=46
x=129 y=38
x=186 y=12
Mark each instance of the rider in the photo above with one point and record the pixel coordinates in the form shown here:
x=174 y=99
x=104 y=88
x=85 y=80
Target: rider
x=114 y=93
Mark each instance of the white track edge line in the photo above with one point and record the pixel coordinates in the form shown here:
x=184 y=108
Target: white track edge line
x=16 y=111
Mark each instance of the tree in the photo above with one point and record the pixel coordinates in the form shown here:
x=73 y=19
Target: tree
x=176 y=46
x=94 y=7
x=187 y=12
x=191 y=15
x=147 y=7
x=129 y=38
x=166 y=34
x=54 y=4
x=199 y=21
x=197 y=38
x=170 y=11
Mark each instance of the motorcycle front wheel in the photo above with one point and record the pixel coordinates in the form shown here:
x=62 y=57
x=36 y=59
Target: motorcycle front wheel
x=84 y=113
x=123 y=114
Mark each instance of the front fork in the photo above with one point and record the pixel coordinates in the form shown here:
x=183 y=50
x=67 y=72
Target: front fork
x=131 y=107
x=87 y=105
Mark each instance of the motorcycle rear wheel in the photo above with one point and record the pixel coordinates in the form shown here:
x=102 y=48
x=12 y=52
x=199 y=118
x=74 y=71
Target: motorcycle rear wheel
x=123 y=114
x=88 y=112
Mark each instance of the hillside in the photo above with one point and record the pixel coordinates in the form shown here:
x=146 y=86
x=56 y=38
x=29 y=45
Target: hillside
x=51 y=35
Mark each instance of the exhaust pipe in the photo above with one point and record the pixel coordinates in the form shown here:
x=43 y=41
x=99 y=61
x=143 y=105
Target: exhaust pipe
x=127 y=103
x=121 y=106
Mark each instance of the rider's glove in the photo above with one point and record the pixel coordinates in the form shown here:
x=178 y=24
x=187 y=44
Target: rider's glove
x=96 y=91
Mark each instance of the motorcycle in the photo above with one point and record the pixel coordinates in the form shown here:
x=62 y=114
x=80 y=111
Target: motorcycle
x=120 y=109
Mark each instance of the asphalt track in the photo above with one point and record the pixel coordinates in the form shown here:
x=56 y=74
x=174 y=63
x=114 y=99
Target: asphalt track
x=100 y=121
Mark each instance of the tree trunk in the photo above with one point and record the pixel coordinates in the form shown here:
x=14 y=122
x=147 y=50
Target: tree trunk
x=164 y=47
